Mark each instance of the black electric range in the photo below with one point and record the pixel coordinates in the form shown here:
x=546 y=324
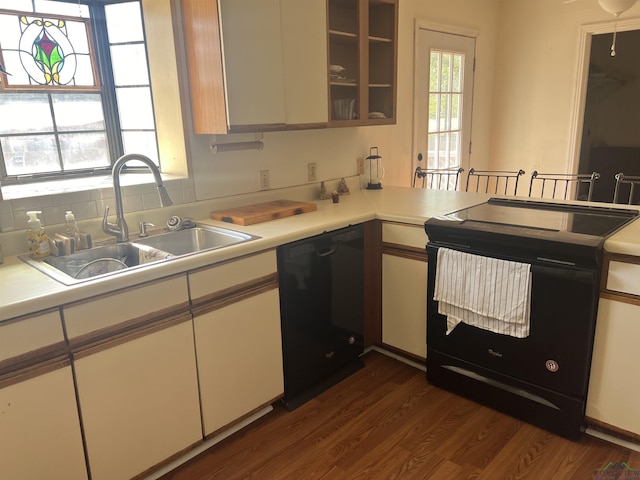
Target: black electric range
x=543 y=377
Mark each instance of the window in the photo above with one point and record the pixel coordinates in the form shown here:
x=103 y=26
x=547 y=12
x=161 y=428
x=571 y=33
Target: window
x=445 y=109
x=77 y=95
x=443 y=97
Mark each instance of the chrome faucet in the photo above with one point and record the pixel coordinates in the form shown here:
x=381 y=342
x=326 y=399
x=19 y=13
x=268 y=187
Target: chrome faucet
x=120 y=228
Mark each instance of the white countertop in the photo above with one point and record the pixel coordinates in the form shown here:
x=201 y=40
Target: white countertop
x=23 y=289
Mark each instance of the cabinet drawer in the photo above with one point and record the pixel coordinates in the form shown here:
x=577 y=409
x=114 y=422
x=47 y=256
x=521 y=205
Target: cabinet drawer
x=409 y=235
x=203 y=283
x=27 y=334
x=623 y=277
x=150 y=300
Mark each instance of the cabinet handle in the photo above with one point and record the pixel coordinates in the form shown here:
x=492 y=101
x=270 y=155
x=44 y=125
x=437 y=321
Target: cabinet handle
x=326 y=253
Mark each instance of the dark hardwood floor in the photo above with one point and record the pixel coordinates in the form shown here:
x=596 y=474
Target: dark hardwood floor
x=387 y=422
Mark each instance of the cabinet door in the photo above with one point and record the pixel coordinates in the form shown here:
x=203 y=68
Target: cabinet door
x=253 y=61
x=275 y=59
x=239 y=358
x=614 y=386
x=139 y=400
x=304 y=52
x=40 y=430
x=404 y=304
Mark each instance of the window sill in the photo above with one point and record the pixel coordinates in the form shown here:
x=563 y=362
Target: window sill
x=72 y=185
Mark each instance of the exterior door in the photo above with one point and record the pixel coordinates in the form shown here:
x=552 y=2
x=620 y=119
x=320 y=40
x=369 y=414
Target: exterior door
x=443 y=99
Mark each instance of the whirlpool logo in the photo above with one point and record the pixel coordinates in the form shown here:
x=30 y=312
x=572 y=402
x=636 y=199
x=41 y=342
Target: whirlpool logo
x=617 y=470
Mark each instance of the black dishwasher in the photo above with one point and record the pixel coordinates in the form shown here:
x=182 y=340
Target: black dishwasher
x=322 y=311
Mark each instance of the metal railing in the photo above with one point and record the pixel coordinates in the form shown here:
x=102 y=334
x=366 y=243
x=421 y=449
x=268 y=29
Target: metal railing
x=497 y=180
x=622 y=179
x=562 y=183
x=438 y=179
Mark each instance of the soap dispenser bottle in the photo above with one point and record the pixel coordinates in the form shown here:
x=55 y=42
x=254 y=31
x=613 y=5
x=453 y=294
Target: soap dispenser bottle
x=36 y=237
x=71 y=229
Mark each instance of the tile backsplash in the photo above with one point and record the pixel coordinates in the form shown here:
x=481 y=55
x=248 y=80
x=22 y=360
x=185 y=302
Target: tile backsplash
x=90 y=204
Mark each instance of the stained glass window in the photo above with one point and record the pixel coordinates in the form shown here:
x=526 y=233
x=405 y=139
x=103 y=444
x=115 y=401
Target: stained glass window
x=46 y=52
x=73 y=123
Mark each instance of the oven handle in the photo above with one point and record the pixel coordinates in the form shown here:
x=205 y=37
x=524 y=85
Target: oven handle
x=578 y=275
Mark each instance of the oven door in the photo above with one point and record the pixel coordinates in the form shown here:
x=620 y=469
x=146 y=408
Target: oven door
x=557 y=353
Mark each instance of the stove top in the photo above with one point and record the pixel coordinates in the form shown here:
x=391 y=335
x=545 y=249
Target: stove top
x=520 y=228
x=551 y=217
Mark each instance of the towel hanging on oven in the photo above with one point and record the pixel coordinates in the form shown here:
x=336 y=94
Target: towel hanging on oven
x=485 y=292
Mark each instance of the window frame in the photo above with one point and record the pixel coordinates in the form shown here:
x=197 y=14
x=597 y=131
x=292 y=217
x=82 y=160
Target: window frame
x=113 y=130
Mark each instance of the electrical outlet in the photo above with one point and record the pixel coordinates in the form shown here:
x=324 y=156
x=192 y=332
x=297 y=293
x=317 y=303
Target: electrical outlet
x=360 y=166
x=312 y=173
x=264 y=179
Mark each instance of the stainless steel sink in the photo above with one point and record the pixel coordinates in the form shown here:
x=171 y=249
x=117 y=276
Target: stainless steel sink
x=192 y=240
x=96 y=262
x=111 y=259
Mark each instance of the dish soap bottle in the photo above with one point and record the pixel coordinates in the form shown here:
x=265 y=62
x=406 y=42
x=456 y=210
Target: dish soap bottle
x=72 y=229
x=36 y=236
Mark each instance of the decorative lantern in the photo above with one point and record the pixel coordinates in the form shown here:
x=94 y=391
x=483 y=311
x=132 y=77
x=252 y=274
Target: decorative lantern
x=376 y=170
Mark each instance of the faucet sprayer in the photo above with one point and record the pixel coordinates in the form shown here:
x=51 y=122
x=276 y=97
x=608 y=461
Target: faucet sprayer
x=120 y=228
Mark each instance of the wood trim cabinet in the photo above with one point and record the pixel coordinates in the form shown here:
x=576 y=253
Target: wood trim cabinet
x=614 y=385
x=39 y=424
x=135 y=373
x=404 y=289
x=138 y=399
x=238 y=339
x=363 y=46
x=266 y=65
x=256 y=65
x=39 y=428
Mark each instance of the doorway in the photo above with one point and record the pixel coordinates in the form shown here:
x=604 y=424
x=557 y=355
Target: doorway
x=443 y=94
x=609 y=142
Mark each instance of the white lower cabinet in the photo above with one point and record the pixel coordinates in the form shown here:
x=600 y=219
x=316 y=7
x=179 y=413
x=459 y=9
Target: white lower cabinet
x=39 y=428
x=404 y=304
x=614 y=386
x=139 y=399
x=404 y=288
x=239 y=351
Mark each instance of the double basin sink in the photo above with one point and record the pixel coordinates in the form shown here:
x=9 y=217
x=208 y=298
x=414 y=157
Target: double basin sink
x=110 y=259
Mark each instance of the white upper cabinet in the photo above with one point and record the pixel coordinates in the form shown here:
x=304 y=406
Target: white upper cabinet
x=253 y=64
x=266 y=60
x=304 y=51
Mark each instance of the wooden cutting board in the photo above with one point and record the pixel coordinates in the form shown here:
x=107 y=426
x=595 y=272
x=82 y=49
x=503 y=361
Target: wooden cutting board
x=263 y=212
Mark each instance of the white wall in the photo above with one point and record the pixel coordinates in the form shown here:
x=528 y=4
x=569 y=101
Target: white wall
x=536 y=82
x=286 y=154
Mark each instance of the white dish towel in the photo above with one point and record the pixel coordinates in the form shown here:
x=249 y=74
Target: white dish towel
x=485 y=292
